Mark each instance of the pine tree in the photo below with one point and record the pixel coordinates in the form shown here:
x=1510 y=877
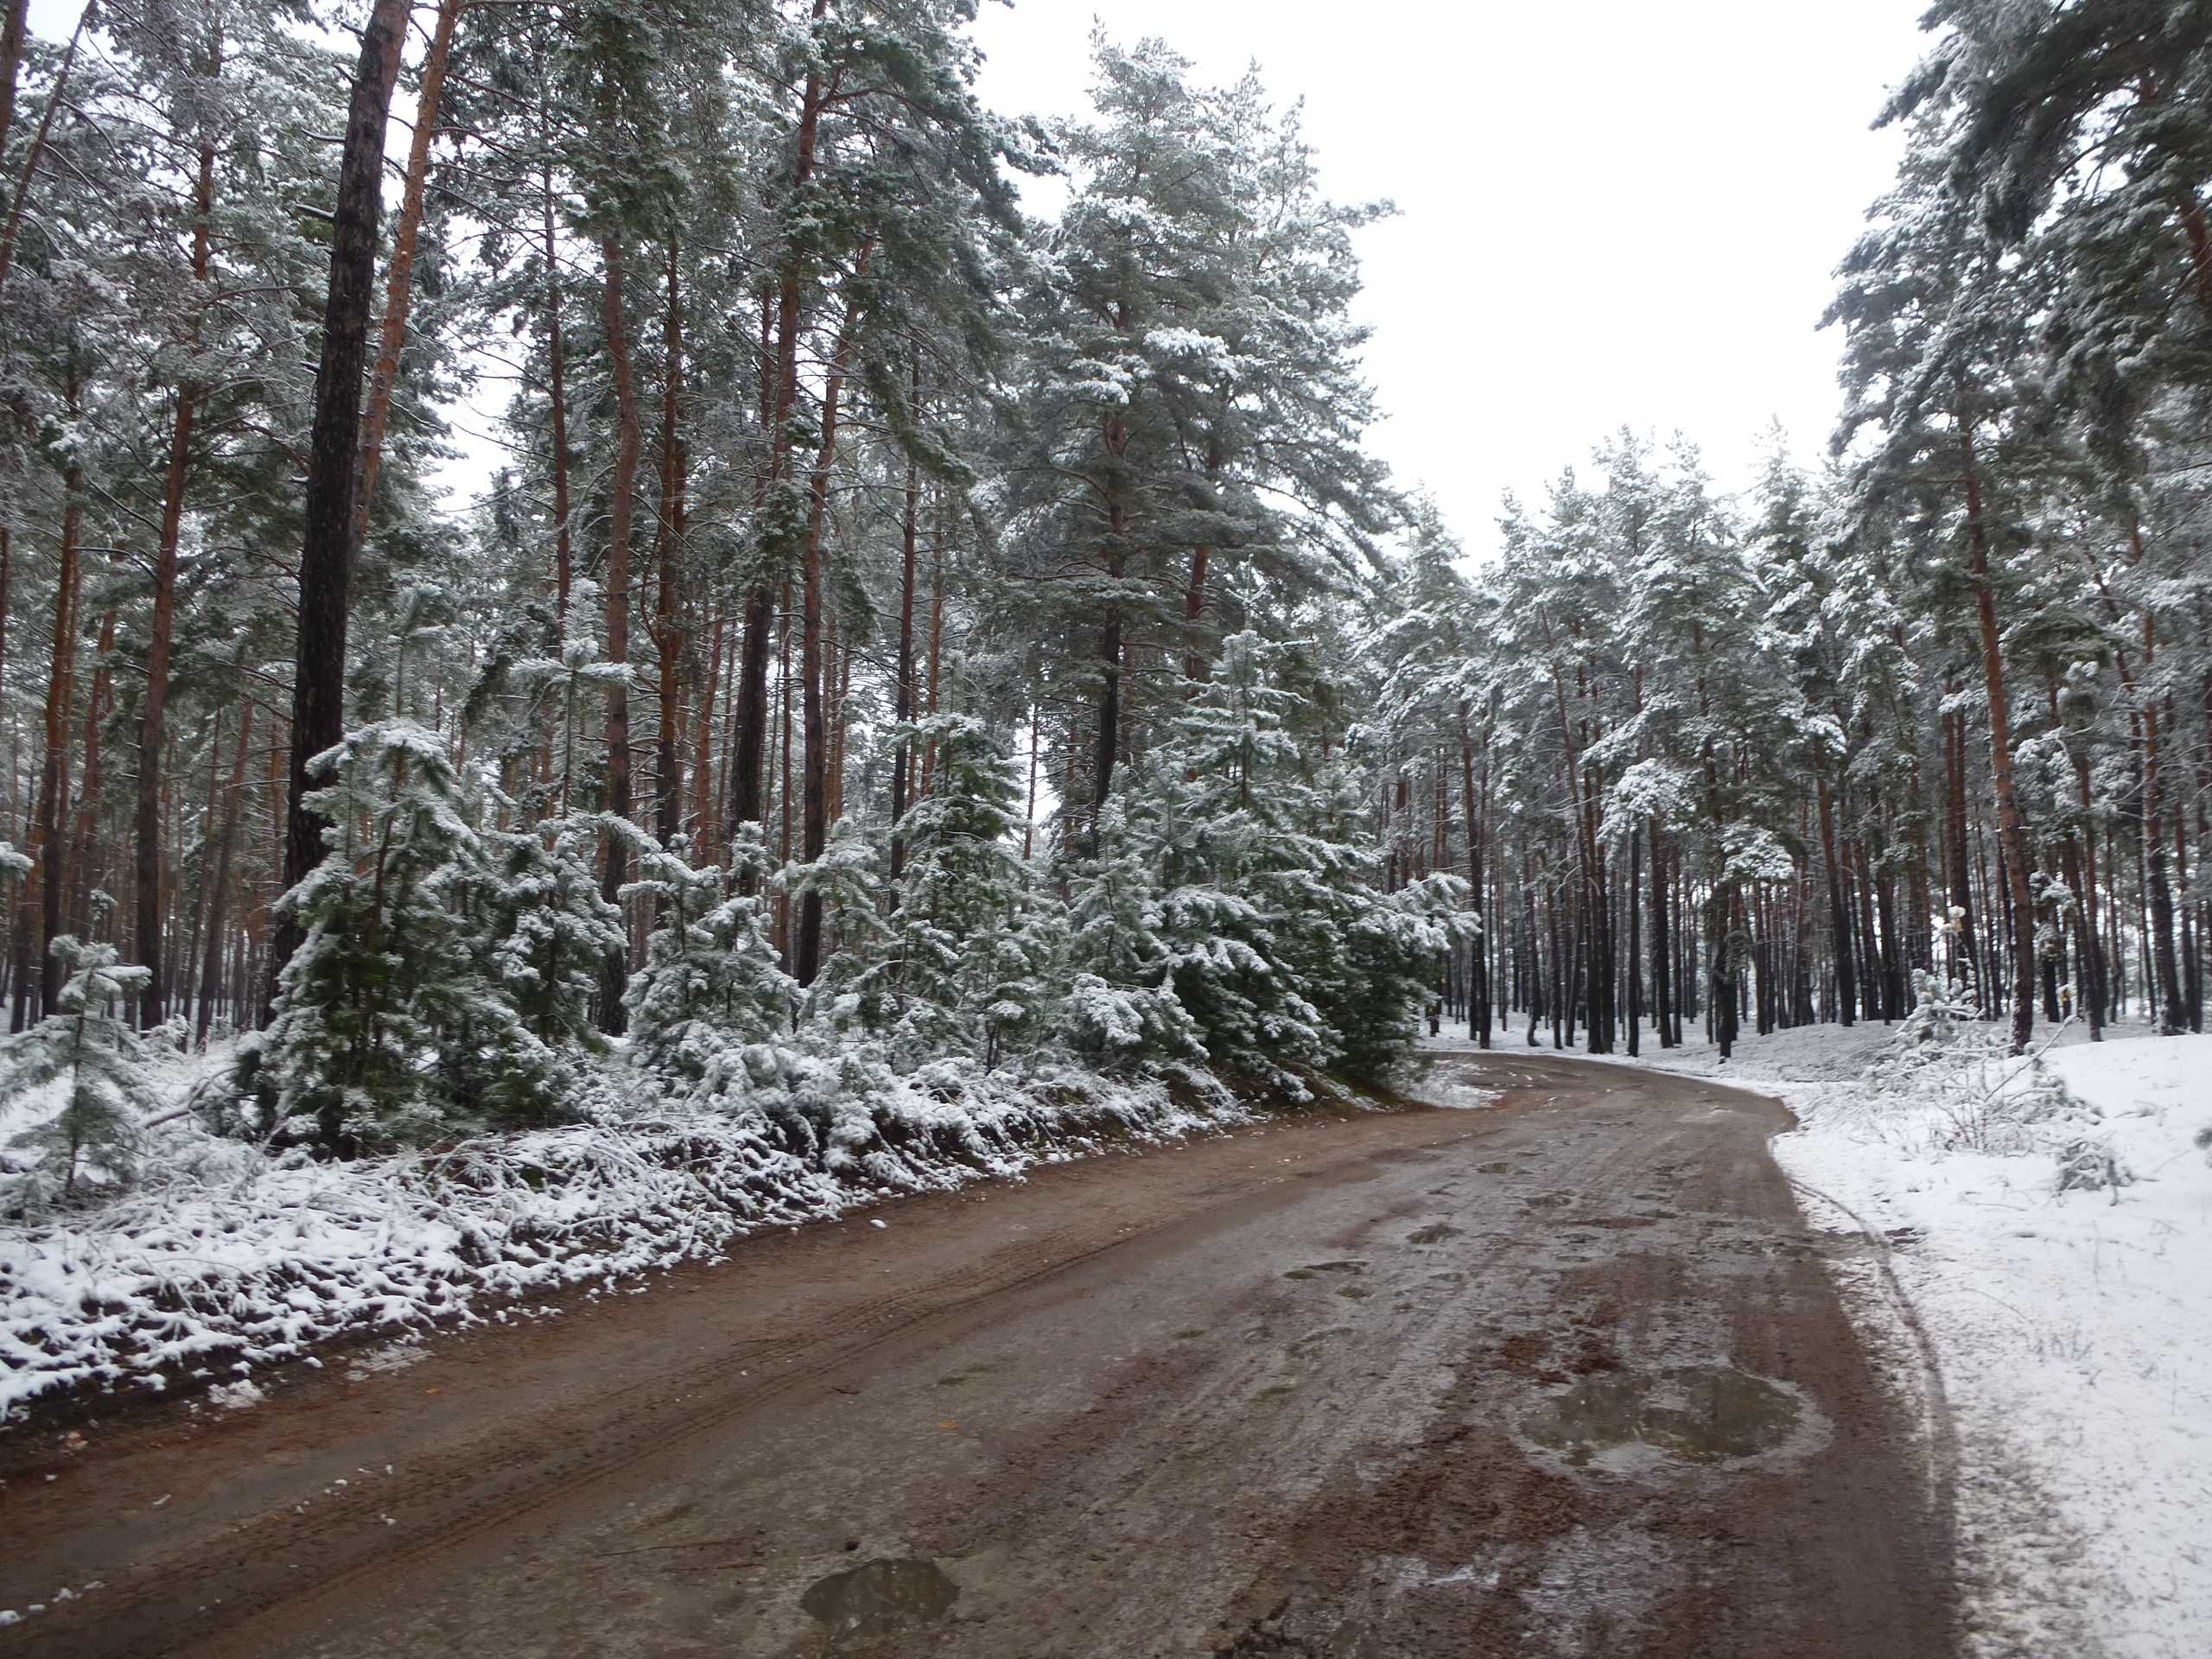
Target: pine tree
x=89 y=1046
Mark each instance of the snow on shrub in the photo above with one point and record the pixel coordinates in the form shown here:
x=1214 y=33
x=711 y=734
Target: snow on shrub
x=225 y=1259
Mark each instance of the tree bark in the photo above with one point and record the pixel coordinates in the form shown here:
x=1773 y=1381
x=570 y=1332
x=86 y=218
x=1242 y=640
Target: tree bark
x=815 y=789
x=628 y=446
x=1662 y=949
x=557 y=398
x=210 y=965
x=326 y=553
x=1847 y=984
x=37 y=150
x=13 y=30
x=152 y=720
x=777 y=405
x=399 y=282
x=2011 y=828
x=902 y=708
x=60 y=691
x=668 y=631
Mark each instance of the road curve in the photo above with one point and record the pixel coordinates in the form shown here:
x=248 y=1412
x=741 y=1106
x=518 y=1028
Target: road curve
x=1561 y=1376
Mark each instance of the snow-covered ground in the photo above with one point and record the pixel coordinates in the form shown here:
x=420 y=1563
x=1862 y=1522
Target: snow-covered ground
x=2070 y=1330
x=221 y=1259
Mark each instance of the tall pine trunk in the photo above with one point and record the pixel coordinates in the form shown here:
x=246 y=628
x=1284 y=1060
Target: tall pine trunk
x=2011 y=828
x=668 y=631
x=325 y=552
x=814 y=788
x=1847 y=984
x=211 y=964
x=629 y=444
x=399 y=280
x=902 y=706
x=780 y=393
x=153 y=711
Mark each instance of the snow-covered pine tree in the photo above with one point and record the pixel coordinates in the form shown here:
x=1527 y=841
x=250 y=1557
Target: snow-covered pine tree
x=89 y=1047
x=1121 y=1008
x=386 y=1028
x=972 y=961
x=1264 y=886
x=710 y=992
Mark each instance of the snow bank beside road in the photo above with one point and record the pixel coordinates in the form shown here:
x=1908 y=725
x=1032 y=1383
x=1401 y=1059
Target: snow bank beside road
x=224 y=1259
x=2073 y=1329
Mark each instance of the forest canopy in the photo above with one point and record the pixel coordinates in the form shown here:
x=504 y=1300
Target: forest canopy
x=907 y=630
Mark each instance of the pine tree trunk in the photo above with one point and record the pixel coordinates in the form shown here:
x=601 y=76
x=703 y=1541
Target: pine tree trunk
x=784 y=792
x=60 y=691
x=1847 y=984
x=37 y=150
x=807 y=958
x=2011 y=828
x=14 y=22
x=154 y=710
x=1662 y=1007
x=621 y=500
x=83 y=839
x=1479 y=975
x=326 y=553
x=557 y=399
x=902 y=707
x=1633 y=898
x=668 y=633
x=704 y=830
x=399 y=282
x=780 y=399
x=937 y=643
x=210 y=965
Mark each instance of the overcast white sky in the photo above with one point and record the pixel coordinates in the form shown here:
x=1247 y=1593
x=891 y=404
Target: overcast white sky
x=1610 y=211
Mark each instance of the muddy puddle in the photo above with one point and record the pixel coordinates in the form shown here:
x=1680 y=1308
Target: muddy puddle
x=881 y=1597
x=1693 y=1414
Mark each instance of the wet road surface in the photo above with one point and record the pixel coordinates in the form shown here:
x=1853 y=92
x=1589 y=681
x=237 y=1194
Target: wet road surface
x=1559 y=1375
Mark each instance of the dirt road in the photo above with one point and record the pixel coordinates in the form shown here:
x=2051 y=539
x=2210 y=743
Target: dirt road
x=1560 y=1375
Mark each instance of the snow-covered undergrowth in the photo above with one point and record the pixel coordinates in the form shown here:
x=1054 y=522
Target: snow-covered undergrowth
x=2050 y=1227
x=221 y=1259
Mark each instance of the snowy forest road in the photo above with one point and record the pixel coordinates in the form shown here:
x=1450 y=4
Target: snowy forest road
x=1560 y=1375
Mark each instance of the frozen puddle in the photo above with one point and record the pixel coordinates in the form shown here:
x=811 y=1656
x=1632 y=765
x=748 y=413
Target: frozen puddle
x=1633 y=1422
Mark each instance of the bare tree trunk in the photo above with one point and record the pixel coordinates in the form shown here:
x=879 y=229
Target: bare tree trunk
x=326 y=553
